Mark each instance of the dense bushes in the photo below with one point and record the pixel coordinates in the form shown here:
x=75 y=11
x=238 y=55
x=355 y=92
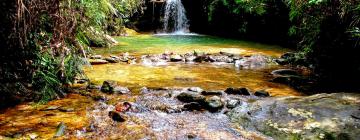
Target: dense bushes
x=42 y=43
x=325 y=32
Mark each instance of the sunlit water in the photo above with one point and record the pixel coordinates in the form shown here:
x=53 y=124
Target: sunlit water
x=204 y=75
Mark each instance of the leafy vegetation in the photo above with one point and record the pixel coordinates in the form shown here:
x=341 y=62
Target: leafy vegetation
x=43 y=42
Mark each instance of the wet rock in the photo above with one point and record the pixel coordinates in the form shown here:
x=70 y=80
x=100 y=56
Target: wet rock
x=262 y=93
x=60 y=130
x=116 y=116
x=112 y=60
x=108 y=86
x=123 y=107
x=214 y=103
x=50 y=108
x=232 y=103
x=305 y=117
x=97 y=61
x=253 y=62
x=121 y=90
x=238 y=91
x=285 y=72
x=64 y=109
x=96 y=57
x=175 y=58
x=191 y=97
x=192 y=106
x=195 y=89
x=211 y=93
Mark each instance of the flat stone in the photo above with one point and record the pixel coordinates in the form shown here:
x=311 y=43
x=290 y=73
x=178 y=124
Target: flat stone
x=212 y=93
x=238 y=91
x=191 y=97
x=112 y=60
x=262 y=93
x=97 y=61
x=195 y=89
x=96 y=57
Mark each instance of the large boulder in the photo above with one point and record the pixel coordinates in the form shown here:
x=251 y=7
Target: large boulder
x=321 y=116
x=191 y=97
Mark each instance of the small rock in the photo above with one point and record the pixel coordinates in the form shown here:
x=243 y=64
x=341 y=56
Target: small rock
x=191 y=97
x=262 y=93
x=121 y=90
x=192 y=106
x=60 y=131
x=237 y=91
x=33 y=136
x=97 y=61
x=96 y=57
x=212 y=93
x=112 y=60
x=108 y=86
x=116 y=116
x=175 y=58
x=232 y=103
x=195 y=89
x=123 y=107
x=214 y=103
x=66 y=109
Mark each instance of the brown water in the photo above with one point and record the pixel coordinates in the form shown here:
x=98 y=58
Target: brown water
x=206 y=76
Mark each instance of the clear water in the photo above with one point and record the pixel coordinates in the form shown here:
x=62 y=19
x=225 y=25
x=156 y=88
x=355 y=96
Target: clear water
x=156 y=44
x=204 y=75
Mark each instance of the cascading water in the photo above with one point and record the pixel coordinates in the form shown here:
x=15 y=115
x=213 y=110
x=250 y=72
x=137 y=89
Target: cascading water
x=175 y=20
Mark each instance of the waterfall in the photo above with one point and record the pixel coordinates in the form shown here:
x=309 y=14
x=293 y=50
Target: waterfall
x=175 y=20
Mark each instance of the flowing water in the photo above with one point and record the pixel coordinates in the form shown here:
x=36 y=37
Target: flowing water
x=175 y=20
